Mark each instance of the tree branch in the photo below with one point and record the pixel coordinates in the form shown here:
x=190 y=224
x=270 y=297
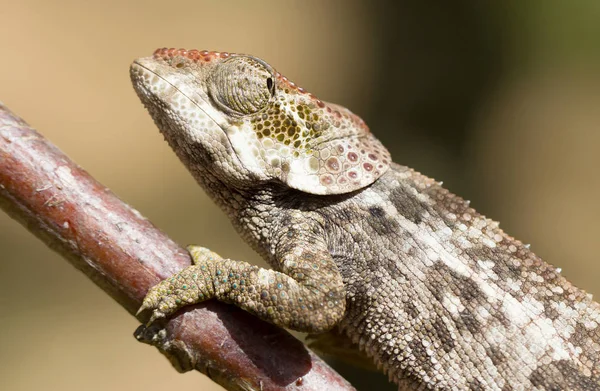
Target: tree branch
x=124 y=254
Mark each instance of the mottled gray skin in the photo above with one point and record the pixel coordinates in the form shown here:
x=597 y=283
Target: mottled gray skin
x=435 y=293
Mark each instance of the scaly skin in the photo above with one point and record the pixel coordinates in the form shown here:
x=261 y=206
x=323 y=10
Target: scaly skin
x=434 y=292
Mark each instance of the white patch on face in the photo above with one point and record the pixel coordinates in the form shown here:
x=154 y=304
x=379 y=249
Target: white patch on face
x=268 y=144
x=246 y=146
x=298 y=173
x=284 y=151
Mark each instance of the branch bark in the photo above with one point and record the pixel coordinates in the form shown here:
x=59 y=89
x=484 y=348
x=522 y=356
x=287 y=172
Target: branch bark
x=124 y=254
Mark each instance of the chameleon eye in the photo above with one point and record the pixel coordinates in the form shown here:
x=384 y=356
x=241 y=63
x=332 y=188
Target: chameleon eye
x=238 y=85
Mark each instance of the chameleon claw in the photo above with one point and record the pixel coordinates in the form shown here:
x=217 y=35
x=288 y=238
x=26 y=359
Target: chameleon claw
x=142 y=308
x=156 y=314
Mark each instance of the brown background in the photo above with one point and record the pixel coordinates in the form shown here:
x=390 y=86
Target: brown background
x=501 y=102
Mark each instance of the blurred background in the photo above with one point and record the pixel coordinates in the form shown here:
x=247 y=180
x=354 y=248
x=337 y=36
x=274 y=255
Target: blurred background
x=500 y=100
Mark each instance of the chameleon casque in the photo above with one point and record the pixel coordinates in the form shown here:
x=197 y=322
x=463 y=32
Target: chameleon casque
x=436 y=294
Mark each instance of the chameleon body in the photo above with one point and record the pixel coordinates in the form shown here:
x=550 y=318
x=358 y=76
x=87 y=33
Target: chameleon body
x=436 y=294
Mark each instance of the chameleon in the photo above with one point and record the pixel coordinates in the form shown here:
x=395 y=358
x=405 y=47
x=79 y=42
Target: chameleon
x=437 y=295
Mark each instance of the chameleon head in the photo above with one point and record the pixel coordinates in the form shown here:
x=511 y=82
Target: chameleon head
x=235 y=115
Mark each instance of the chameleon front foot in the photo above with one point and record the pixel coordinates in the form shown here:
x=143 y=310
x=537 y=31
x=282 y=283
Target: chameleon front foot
x=314 y=304
x=190 y=286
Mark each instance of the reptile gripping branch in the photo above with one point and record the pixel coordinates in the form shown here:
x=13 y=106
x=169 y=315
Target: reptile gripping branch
x=436 y=294
x=124 y=254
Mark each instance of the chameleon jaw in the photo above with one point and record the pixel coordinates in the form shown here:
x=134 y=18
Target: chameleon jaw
x=185 y=115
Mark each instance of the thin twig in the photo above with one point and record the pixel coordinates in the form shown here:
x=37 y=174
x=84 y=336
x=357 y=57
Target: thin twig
x=124 y=254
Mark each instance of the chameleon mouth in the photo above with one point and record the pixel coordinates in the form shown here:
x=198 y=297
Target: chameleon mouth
x=148 y=81
x=158 y=87
x=152 y=85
